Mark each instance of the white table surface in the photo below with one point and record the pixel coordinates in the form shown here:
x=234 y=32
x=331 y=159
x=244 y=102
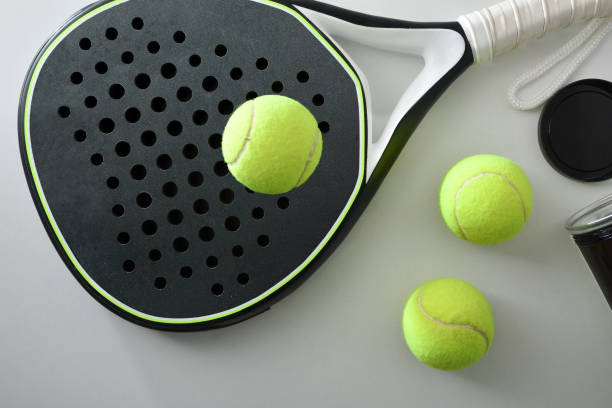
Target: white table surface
x=337 y=341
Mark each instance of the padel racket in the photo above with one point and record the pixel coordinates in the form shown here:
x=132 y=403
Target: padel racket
x=120 y=128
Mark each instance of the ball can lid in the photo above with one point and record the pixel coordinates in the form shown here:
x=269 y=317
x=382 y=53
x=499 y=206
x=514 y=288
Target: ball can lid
x=575 y=130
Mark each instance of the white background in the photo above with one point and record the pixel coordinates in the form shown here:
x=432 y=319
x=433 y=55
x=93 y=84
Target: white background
x=337 y=341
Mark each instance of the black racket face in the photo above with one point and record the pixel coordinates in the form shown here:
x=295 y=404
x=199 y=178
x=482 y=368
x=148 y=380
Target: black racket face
x=121 y=131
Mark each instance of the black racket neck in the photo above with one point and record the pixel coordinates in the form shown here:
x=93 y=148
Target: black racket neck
x=368 y=20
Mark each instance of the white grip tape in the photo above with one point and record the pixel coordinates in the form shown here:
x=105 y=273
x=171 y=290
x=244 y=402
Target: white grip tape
x=504 y=26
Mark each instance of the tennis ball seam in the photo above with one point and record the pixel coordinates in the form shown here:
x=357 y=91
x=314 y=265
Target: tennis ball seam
x=480 y=175
x=310 y=155
x=247 y=139
x=459 y=326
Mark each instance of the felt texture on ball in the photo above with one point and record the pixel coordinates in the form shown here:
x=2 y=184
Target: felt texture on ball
x=272 y=144
x=485 y=199
x=448 y=324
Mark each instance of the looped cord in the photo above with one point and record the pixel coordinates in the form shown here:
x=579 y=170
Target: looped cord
x=585 y=42
x=503 y=27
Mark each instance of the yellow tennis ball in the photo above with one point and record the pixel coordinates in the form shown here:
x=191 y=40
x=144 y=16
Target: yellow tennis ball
x=448 y=324
x=272 y=144
x=485 y=199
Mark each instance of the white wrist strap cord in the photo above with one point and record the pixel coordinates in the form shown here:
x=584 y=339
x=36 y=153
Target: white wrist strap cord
x=503 y=27
x=582 y=45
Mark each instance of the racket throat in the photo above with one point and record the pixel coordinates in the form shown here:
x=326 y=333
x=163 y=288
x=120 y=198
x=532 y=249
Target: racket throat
x=441 y=48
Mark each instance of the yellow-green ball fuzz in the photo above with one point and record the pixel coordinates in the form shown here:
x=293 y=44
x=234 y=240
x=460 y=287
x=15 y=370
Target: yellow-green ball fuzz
x=448 y=324
x=485 y=199
x=272 y=144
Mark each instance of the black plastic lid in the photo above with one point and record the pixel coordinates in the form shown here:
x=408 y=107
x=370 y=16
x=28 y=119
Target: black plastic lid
x=575 y=130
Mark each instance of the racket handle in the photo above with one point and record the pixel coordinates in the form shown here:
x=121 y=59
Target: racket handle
x=504 y=26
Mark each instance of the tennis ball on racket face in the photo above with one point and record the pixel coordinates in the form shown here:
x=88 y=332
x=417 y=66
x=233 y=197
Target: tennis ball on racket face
x=485 y=199
x=272 y=144
x=448 y=324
